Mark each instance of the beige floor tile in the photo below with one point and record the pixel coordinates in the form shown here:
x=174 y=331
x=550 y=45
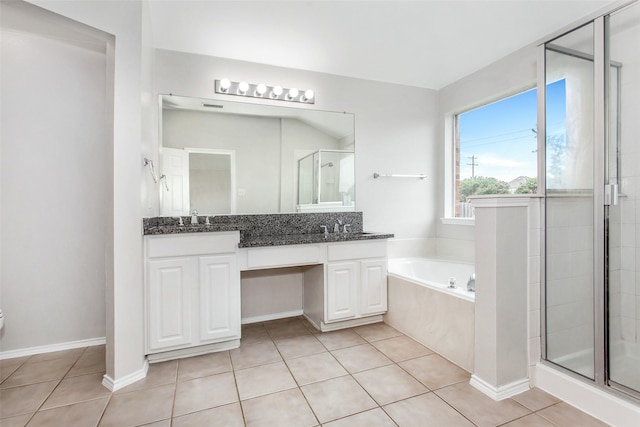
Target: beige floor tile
x=9 y=366
x=329 y=401
x=6 y=371
x=253 y=333
x=139 y=407
x=286 y=328
x=14 y=361
x=315 y=368
x=377 y=332
x=260 y=353
x=163 y=423
x=24 y=399
x=360 y=358
x=86 y=413
x=71 y=355
x=308 y=325
x=284 y=409
x=401 y=348
x=204 y=393
x=531 y=420
x=91 y=361
x=535 y=399
x=339 y=339
x=435 y=371
x=17 y=421
x=303 y=345
x=563 y=414
x=479 y=408
x=158 y=374
x=264 y=379
x=77 y=389
x=389 y=384
x=425 y=410
x=227 y=416
x=203 y=366
x=39 y=372
x=374 y=417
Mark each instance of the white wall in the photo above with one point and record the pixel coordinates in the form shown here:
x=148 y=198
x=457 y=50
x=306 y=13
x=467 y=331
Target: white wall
x=124 y=267
x=396 y=131
x=54 y=187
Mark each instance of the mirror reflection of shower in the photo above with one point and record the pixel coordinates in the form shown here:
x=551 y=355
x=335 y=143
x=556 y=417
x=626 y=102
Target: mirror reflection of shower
x=325 y=181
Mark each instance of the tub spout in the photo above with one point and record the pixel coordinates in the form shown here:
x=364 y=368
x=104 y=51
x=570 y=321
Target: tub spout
x=471 y=283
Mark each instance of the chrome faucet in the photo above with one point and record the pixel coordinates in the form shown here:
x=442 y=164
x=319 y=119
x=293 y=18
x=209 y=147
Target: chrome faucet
x=452 y=283
x=194 y=217
x=180 y=223
x=325 y=230
x=344 y=228
x=471 y=283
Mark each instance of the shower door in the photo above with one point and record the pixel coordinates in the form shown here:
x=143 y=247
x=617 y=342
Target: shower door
x=623 y=148
x=569 y=204
x=591 y=180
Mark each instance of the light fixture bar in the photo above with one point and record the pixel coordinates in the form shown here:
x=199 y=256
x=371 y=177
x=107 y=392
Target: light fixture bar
x=228 y=87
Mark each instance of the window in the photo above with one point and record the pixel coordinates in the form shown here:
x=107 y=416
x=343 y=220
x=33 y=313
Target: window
x=496 y=147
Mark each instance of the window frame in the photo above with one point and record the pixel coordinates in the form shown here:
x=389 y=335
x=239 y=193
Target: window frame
x=452 y=158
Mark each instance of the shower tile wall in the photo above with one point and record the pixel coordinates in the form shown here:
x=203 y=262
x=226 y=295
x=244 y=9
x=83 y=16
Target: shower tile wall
x=569 y=278
x=534 y=280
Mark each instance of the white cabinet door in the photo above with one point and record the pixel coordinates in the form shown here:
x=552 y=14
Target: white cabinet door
x=373 y=279
x=341 y=291
x=219 y=298
x=169 y=307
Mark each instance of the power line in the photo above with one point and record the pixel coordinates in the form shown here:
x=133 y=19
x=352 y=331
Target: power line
x=498 y=135
x=473 y=165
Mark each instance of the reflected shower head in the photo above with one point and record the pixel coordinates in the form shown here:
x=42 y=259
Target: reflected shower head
x=330 y=164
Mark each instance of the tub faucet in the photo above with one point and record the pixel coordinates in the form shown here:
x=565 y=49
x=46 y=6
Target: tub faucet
x=471 y=283
x=325 y=231
x=452 y=283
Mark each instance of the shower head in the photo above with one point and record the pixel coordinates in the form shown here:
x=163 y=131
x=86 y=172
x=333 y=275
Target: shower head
x=330 y=164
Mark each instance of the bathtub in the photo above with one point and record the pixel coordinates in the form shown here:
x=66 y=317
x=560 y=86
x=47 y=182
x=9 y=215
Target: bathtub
x=436 y=274
x=421 y=305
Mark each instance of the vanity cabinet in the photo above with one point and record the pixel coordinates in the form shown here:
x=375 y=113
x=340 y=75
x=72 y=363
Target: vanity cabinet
x=192 y=294
x=356 y=283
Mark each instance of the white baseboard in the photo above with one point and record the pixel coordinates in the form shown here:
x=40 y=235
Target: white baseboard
x=192 y=351
x=335 y=326
x=593 y=400
x=30 y=351
x=115 y=385
x=273 y=316
x=499 y=392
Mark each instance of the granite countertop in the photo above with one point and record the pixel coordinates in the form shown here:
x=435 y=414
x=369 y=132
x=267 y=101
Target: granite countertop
x=268 y=229
x=200 y=228
x=301 y=239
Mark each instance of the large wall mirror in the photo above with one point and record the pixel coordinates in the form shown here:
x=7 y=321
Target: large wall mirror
x=224 y=157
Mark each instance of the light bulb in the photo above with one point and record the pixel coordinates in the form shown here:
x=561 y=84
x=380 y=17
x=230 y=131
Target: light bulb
x=276 y=91
x=243 y=87
x=225 y=84
x=308 y=95
x=293 y=93
x=261 y=89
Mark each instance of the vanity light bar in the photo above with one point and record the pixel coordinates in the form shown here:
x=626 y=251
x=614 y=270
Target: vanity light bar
x=227 y=87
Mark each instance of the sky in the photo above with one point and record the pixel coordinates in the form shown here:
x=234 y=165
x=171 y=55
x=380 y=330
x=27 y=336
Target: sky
x=502 y=135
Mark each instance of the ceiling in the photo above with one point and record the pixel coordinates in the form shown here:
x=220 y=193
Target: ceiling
x=426 y=43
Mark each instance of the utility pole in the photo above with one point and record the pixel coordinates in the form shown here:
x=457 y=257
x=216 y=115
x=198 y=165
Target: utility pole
x=473 y=165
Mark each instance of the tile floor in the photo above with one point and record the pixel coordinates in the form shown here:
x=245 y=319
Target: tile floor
x=284 y=374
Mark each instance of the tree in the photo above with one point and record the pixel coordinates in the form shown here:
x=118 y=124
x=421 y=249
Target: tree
x=481 y=185
x=530 y=186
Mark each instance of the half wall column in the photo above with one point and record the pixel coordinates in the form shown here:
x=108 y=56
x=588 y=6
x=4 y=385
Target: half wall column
x=501 y=312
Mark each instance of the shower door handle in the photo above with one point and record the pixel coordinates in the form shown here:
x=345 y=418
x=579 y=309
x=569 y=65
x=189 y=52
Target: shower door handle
x=611 y=194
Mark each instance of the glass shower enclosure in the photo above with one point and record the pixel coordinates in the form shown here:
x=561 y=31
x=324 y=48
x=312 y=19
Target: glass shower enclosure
x=326 y=177
x=591 y=296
